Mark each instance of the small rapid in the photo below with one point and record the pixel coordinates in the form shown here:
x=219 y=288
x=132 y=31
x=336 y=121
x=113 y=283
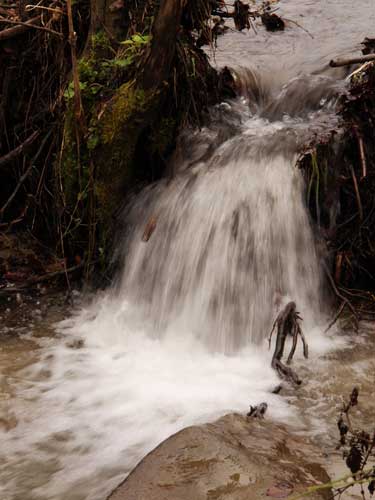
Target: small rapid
x=180 y=337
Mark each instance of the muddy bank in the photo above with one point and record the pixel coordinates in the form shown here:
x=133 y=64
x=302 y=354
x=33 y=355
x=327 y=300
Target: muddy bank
x=235 y=458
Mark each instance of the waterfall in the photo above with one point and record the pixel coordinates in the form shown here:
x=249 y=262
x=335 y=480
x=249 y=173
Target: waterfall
x=232 y=240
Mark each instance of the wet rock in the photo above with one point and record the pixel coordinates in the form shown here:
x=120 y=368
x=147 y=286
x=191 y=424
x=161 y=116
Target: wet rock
x=272 y=22
x=231 y=459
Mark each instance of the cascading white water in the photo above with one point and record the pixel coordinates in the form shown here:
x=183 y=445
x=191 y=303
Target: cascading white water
x=232 y=241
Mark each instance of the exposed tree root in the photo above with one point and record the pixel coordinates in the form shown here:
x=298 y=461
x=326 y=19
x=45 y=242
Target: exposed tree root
x=287 y=324
x=344 y=302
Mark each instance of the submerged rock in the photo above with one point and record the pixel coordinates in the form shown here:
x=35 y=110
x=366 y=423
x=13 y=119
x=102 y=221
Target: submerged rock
x=234 y=458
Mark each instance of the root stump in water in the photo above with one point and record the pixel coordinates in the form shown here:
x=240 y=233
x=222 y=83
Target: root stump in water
x=287 y=324
x=257 y=411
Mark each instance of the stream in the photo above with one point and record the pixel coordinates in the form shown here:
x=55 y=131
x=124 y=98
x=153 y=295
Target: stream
x=180 y=337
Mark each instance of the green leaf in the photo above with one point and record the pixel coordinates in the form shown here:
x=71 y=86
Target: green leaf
x=92 y=142
x=94 y=89
x=137 y=39
x=123 y=63
x=140 y=39
x=69 y=92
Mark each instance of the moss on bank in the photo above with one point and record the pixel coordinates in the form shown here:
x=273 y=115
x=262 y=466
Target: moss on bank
x=127 y=127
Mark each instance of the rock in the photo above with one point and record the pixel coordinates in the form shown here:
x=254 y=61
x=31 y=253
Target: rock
x=231 y=459
x=272 y=22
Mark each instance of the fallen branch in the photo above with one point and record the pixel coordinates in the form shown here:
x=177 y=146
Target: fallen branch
x=19 y=149
x=30 y=283
x=19 y=29
x=55 y=274
x=336 y=63
x=27 y=25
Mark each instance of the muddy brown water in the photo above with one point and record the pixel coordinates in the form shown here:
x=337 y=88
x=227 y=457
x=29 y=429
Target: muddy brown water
x=80 y=406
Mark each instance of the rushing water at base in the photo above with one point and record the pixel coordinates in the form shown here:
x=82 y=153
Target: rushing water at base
x=180 y=338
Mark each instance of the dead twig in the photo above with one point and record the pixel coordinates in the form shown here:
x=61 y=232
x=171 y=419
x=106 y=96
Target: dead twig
x=336 y=63
x=19 y=149
x=27 y=25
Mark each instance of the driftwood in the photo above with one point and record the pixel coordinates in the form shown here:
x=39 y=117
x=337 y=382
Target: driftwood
x=287 y=324
x=335 y=63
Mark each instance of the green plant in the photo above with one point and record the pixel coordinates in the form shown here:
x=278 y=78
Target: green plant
x=358 y=452
x=131 y=50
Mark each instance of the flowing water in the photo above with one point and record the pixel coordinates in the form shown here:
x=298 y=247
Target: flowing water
x=180 y=337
